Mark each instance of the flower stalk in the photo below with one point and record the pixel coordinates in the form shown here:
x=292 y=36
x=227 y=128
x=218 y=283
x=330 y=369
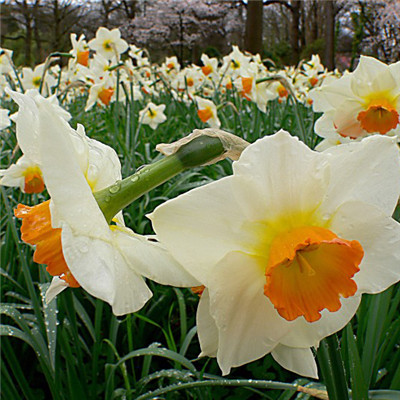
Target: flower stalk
x=199 y=151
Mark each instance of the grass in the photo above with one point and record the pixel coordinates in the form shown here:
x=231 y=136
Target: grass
x=75 y=348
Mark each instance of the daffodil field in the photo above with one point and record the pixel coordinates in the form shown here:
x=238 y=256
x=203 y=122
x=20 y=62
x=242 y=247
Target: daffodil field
x=227 y=230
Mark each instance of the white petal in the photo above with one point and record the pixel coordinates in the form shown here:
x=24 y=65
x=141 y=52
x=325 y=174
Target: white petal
x=204 y=218
x=368 y=171
x=379 y=236
x=296 y=359
x=206 y=327
x=309 y=334
x=151 y=260
x=68 y=188
x=248 y=325
x=278 y=174
x=57 y=285
x=103 y=272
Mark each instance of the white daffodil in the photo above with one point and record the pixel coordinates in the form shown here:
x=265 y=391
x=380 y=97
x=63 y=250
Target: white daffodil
x=24 y=174
x=210 y=66
x=80 y=50
x=361 y=103
x=108 y=43
x=152 y=115
x=72 y=235
x=31 y=79
x=286 y=246
x=207 y=112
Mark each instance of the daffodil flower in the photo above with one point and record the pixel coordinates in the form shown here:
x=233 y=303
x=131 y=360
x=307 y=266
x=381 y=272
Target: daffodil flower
x=108 y=43
x=152 y=115
x=70 y=231
x=286 y=246
x=361 y=103
x=207 y=112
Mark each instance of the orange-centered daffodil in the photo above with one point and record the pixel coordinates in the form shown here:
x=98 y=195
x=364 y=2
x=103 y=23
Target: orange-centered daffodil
x=286 y=246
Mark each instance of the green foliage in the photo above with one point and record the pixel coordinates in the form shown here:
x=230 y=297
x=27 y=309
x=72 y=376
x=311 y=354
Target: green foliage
x=75 y=348
x=316 y=47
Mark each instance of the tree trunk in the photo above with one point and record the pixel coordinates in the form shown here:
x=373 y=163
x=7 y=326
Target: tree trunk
x=254 y=23
x=28 y=34
x=36 y=31
x=295 y=30
x=329 y=59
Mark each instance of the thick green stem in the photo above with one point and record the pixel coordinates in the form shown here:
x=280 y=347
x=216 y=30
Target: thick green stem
x=199 y=151
x=331 y=365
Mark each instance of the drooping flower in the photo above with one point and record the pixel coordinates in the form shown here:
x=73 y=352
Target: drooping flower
x=70 y=231
x=152 y=115
x=286 y=246
x=361 y=103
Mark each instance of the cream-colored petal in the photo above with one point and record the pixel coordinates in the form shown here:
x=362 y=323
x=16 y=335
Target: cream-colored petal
x=324 y=127
x=70 y=193
x=207 y=330
x=379 y=236
x=150 y=259
x=199 y=227
x=102 y=271
x=248 y=325
x=277 y=175
x=309 y=334
x=298 y=360
x=368 y=171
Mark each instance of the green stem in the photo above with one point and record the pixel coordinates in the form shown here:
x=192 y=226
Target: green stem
x=197 y=152
x=332 y=368
x=221 y=382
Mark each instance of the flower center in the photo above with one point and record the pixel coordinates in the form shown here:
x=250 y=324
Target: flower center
x=83 y=58
x=206 y=70
x=247 y=85
x=205 y=114
x=36 y=81
x=105 y=96
x=151 y=113
x=308 y=270
x=107 y=45
x=380 y=116
x=33 y=180
x=313 y=81
x=36 y=229
x=282 y=91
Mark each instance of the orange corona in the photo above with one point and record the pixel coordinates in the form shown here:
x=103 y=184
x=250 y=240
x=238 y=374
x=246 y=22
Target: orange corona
x=105 y=96
x=308 y=270
x=33 y=182
x=205 y=114
x=36 y=229
x=83 y=58
x=380 y=116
